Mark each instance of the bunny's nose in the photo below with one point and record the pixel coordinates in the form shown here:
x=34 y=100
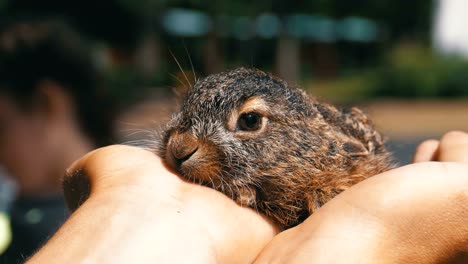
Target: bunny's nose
x=180 y=148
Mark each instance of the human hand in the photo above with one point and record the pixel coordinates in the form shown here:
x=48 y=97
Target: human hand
x=382 y=219
x=137 y=212
x=452 y=147
x=413 y=214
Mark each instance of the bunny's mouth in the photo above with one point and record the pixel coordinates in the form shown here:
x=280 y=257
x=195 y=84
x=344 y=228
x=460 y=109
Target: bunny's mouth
x=196 y=159
x=199 y=164
x=200 y=170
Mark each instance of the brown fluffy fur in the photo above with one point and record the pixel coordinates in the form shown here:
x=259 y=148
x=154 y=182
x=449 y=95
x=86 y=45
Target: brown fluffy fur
x=305 y=153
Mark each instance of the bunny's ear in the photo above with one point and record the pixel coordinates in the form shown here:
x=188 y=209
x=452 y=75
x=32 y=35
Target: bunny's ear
x=361 y=127
x=354 y=123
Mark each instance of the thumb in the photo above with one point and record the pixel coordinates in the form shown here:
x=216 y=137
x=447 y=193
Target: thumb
x=454 y=147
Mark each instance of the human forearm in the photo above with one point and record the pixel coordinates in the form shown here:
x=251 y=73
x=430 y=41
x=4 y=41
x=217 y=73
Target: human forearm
x=112 y=236
x=139 y=212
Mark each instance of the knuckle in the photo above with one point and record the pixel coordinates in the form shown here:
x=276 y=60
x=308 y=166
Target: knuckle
x=453 y=138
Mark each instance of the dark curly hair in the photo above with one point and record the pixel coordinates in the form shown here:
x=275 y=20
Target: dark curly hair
x=32 y=51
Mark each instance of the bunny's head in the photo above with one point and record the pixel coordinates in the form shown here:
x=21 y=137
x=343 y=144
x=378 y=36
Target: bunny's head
x=257 y=139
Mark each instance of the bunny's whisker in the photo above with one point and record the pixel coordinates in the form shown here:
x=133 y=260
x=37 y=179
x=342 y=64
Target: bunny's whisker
x=179 y=80
x=269 y=145
x=181 y=69
x=191 y=63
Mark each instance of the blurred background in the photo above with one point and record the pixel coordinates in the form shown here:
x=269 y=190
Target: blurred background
x=406 y=63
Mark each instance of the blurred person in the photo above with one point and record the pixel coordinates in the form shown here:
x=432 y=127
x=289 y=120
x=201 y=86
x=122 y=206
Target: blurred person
x=53 y=109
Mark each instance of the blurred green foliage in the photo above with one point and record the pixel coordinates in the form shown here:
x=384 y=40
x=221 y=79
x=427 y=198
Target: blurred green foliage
x=409 y=70
x=415 y=71
x=399 y=64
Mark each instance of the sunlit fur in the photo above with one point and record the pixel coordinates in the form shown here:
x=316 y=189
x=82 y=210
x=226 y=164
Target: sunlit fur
x=307 y=153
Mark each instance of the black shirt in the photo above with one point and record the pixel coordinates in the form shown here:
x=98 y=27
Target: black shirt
x=33 y=221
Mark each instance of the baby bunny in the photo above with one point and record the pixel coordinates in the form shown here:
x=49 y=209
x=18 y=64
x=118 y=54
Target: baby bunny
x=269 y=145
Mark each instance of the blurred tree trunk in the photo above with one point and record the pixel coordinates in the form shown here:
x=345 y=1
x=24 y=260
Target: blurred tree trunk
x=325 y=60
x=147 y=58
x=288 y=58
x=212 y=57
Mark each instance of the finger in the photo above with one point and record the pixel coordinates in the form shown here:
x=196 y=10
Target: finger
x=426 y=151
x=76 y=182
x=115 y=159
x=108 y=167
x=454 y=147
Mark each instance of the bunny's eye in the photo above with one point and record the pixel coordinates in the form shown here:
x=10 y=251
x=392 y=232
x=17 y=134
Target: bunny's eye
x=249 y=122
